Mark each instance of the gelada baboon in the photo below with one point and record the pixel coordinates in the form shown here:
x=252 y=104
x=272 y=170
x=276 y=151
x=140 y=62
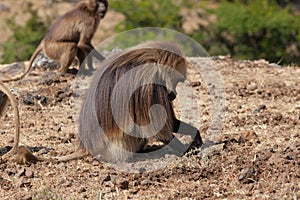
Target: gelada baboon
x=138 y=79
x=23 y=154
x=129 y=101
x=70 y=36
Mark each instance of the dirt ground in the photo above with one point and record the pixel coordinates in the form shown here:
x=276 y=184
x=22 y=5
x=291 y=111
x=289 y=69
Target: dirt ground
x=258 y=159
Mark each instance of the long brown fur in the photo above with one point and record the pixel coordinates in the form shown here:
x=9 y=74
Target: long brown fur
x=99 y=133
x=104 y=138
x=70 y=36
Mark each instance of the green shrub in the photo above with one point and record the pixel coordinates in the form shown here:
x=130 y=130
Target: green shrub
x=258 y=29
x=160 y=14
x=148 y=13
x=139 y=14
x=24 y=39
x=246 y=29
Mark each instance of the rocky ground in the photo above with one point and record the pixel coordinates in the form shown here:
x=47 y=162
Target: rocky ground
x=258 y=156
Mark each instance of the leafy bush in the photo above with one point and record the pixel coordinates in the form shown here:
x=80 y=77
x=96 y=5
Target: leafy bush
x=24 y=39
x=258 y=29
x=246 y=29
x=148 y=14
x=161 y=14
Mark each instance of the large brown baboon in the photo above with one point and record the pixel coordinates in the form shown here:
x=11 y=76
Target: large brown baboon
x=70 y=36
x=129 y=101
x=119 y=114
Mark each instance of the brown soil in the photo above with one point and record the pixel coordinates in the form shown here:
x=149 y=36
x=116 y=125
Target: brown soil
x=259 y=160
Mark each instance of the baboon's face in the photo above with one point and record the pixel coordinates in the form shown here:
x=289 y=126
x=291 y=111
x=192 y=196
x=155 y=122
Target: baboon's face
x=181 y=68
x=177 y=76
x=102 y=7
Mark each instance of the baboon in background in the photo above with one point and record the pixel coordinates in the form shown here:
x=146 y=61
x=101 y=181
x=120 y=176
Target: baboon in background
x=70 y=36
x=147 y=82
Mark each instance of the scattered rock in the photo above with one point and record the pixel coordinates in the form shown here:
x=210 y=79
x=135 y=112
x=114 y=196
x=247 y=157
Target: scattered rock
x=109 y=184
x=29 y=173
x=248 y=135
x=145 y=182
x=122 y=183
x=21 y=172
x=43 y=100
x=57 y=128
x=259 y=108
x=297 y=194
x=44 y=63
x=195 y=83
x=28 y=99
x=28 y=197
x=104 y=178
x=4 y=8
x=10 y=139
x=247 y=175
x=209 y=149
x=63 y=94
x=50 y=78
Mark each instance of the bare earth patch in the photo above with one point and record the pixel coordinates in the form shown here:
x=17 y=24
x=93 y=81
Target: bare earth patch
x=259 y=160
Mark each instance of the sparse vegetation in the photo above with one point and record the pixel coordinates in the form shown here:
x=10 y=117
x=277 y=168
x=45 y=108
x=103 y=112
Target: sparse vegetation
x=257 y=29
x=245 y=29
x=24 y=38
x=148 y=14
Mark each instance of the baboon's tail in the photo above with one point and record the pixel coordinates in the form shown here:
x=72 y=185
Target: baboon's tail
x=33 y=57
x=79 y=153
x=14 y=104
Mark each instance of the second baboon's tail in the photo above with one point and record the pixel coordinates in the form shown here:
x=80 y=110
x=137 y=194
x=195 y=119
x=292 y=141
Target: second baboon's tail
x=33 y=57
x=79 y=153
